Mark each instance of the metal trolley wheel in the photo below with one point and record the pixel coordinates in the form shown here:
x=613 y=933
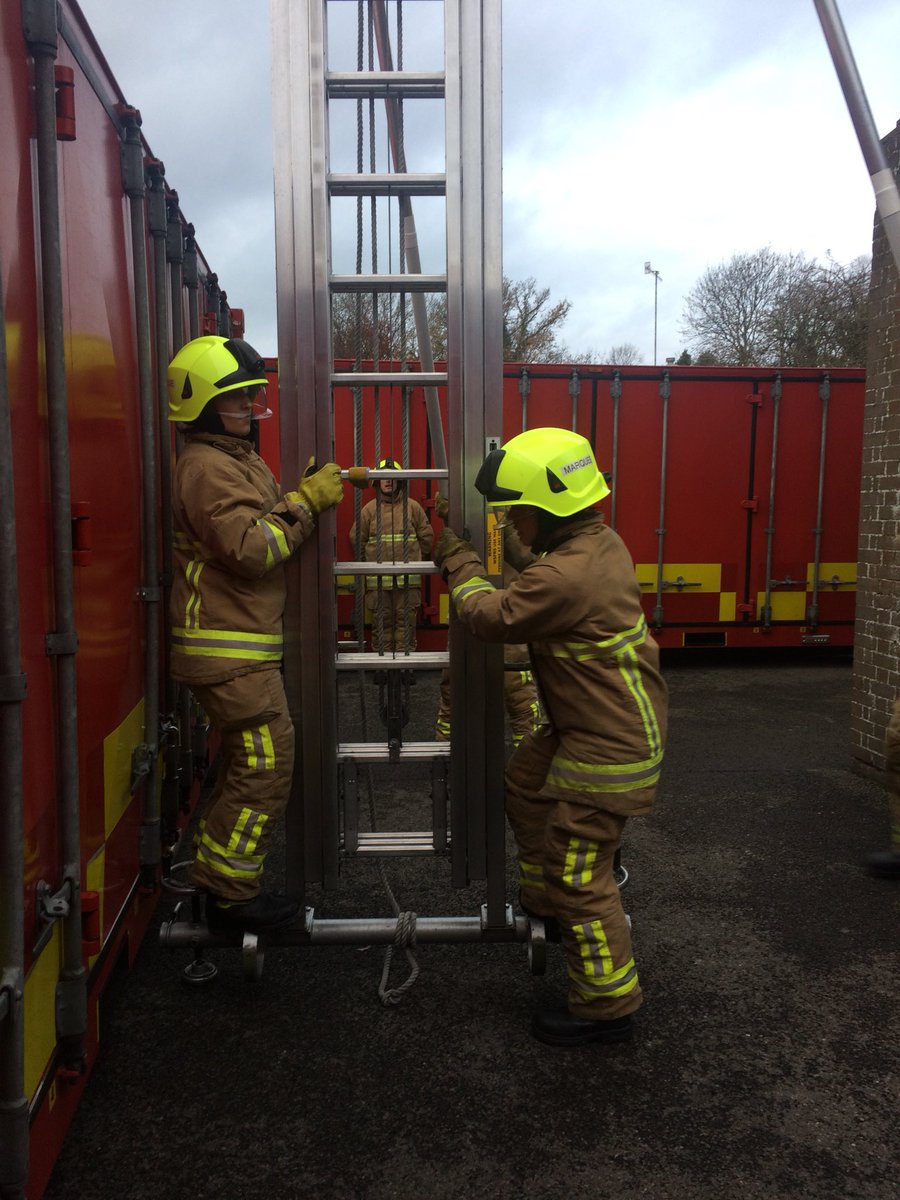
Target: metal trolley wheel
x=537 y=946
x=252 y=955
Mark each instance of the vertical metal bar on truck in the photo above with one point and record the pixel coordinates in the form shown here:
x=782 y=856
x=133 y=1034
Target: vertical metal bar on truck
x=824 y=395
x=766 y=614
x=665 y=390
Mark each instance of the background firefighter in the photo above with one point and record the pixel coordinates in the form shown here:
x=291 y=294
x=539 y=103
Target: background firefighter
x=234 y=531
x=571 y=786
x=393 y=528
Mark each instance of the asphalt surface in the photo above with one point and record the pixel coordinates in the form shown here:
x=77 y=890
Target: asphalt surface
x=765 y=1059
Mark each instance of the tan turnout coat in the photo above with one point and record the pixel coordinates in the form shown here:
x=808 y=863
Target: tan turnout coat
x=595 y=663
x=234 y=531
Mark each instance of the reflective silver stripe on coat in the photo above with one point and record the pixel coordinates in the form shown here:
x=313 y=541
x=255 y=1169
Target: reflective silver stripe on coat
x=463 y=591
x=584 y=651
x=277 y=549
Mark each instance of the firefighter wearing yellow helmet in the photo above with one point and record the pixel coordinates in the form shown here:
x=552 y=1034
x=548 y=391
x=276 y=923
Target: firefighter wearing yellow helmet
x=392 y=528
x=572 y=785
x=233 y=532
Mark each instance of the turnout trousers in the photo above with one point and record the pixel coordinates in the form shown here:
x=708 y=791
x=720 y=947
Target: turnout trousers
x=250 y=714
x=393 y=612
x=566 y=852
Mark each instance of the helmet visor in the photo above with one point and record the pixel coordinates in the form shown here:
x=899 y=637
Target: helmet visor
x=255 y=395
x=502 y=515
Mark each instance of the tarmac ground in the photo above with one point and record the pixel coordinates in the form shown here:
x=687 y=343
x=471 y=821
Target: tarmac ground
x=764 y=1063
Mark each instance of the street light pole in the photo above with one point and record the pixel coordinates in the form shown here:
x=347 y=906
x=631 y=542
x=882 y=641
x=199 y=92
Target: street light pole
x=648 y=270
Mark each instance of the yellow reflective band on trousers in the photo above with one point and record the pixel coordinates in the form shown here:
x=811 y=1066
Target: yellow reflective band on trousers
x=229 y=643
x=246 y=833
x=580 y=858
x=461 y=593
x=236 y=860
x=277 y=549
x=597 y=976
x=531 y=875
x=259 y=748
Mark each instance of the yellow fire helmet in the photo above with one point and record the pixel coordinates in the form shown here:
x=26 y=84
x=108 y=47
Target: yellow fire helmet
x=208 y=367
x=552 y=469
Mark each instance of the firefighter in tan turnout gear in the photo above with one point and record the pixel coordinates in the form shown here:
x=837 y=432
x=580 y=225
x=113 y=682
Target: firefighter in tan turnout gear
x=234 y=531
x=393 y=528
x=572 y=784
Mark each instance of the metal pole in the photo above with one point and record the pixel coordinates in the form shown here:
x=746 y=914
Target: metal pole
x=134 y=187
x=824 y=395
x=648 y=270
x=615 y=389
x=62 y=644
x=13 y=1101
x=887 y=197
x=665 y=390
x=766 y=615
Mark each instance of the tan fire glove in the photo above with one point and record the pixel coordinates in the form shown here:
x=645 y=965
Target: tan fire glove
x=319 y=490
x=441 y=506
x=449 y=544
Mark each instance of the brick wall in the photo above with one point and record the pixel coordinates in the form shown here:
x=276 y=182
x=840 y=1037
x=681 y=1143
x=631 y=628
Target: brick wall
x=877 y=638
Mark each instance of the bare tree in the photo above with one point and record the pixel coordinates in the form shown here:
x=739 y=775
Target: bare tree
x=384 y=328
x=358 y=333
x=624 y=354
x=779 y=309
x=531 y=323
x=726 y=310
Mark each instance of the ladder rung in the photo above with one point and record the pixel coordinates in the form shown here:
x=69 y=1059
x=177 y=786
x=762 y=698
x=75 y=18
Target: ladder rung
x=362 y=84
x=386 y=568
x=376 y=752
x=422 y=183
x=388 y=378
x=373 y=473
x=418 y=660
x=388 y=283
x=396 y=843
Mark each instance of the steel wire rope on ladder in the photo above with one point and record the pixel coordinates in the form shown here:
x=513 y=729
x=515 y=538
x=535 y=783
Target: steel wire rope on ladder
x=405 y=934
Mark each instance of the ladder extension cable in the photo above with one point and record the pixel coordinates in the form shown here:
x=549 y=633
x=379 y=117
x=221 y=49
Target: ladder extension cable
x=405 y=933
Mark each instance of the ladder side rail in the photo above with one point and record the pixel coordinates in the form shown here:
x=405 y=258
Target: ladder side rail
x=473 y=250
x=489 y=15
x=302 y=243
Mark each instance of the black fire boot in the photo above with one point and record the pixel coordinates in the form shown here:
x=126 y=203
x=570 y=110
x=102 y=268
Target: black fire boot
x=558 y=1027
x=884 y=864
x=265 y=911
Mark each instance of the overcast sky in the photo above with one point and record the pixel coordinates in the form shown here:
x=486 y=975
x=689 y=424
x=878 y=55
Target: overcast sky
x=678 y=134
